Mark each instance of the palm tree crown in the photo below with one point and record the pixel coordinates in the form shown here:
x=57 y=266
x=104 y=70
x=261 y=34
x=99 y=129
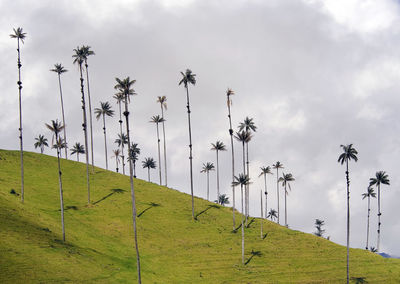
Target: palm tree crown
x=207 y=167
x=157 y=119
x=188 y=78
x=218 y=146
x=59 y=69
x=163 y=101
x=272 y=214
x=370 y=193
x=105 y=109
x=55 y=127
x=349 y=153
x=79 y=56
x=381 y=177
x=125 y=87
x=285 y=179
x=149 y=163
x=134 y=152
x=121 y=139
x=41 y=141
x=278 y=165
x=18 y=34
x=265 y=170
x=243 y=136
x=248 y=125
x=77 y=148
x=241 y=180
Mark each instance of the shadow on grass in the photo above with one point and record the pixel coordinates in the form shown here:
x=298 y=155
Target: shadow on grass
x=69 y=207
x=253 y=253
x=237 y=228
x=205 y=210
x=265 y=235
x=113 y=191
x=152 y=204
x=358 y=280
x=251 y=221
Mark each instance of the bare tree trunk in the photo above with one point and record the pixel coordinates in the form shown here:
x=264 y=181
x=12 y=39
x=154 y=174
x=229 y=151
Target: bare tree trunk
x=233 y=165
x=20 y=122
x=262 y=217
x=277 y=189
x=77 y=156
x=208 y=185
x=63 y=116
x=247 y=192
x=61 y=191
x=241 y=188
x=105 y=139
x=122 y=142
x=286 y=224
x=266 y=195
x=90 y=113
x=366 y=246
x=159 y=152
x=190 y=150
x=148 y=173
x=348 y=220
x=165 y=147
x=379 y=218
x=217 y=177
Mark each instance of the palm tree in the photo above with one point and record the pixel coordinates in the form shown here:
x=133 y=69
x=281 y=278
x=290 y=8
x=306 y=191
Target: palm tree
x=229 y=93
x=59 y=69
x=370 y=193
x=41 y=141
x=189 y=78
x=60 y=144
x=133 y=156
x=79 y=59
x=158 y=119
x=86 y=53
x=206 y=169
x=120 y=98
x=103 y=111
x=77 y=149
x=218 y=146
x=149 y=163
x=163 y=104
x=125 y=87
x=277 y=166
x=121 y=141
x=56 y=128
x=249 y=126
x=242 y=180
x=272 y=214
x=285 y=179
x=380 y=178
x=117 y=154
x=318 y=225
x=264 y=172
x=349 y=153
x=222 y=199
x=20 y=36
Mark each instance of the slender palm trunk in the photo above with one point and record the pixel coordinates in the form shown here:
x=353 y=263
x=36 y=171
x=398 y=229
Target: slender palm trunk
x=165 y=147
x=266 y=195
x=134 y=213
x=217 y=177
x=262 y=217
x=379 y=218
x=63 y=116
x=90 y=113
x=241 y=189
x=286 y=224
x=85 y=132
x=348 y=219
x=77 y=157
x=277 y=189
x=105 y=139
x=233 y=165
x=247 y=192
x=148 y=174
x=116 y=164
x=159 y=153
x=41 y=149
x=122 y=142
x=369 y=210
x=20 y=122
x=134 y=169
x=190 y=150
x=208 y=185
x=61 y=191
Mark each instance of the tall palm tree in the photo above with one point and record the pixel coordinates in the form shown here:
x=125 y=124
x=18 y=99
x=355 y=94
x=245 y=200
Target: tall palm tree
x=149 y=163
x=218 y=146
x=59 y=69
x=249 y=126
x=277 y=166
x=86 y=53
x=380 y=178
x=206 y=169
x=117 y=155
x=229 y=93
x=242 y=180
x=222 y=199
x=120 y=99
x=163 y=104
x=189 y=78
x=77 y=149
x=272 y=214
x=286 y=179
x=158 y=119
x=41 y=141
x=349 y=153
x=103 y=111
x=20 y=36
x=370 y=193
x=79 y=59
x=264 y=172
x=124 y=86
x=133 y=156
x=56 y=128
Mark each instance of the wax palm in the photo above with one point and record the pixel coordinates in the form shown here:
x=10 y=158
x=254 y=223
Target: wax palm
x=218 y=146
x=20 y=36
x=41 y=142
x=380 y=178
x=222 y=199
x=318 y=225
x=120 y=99
x=278 y=165
x=349 y=153
x=264 y=172
x=370 y=193
x=242 y=180
x=124 y=87
x=149 y=163
x=59 y=69
x=60 y=144
x=229 y=93
x=134 y=153
x=189 y=78
x=272 y=214
x=79 y=59
x=77 y=149
x=103 y=111
x=286 y=179
x=163 y=104
x=158 y=119
x=56 y=128
x=207 y=167
x=117 y=155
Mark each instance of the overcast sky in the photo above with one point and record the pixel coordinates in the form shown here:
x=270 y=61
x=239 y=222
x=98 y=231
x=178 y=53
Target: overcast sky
x=313 y=75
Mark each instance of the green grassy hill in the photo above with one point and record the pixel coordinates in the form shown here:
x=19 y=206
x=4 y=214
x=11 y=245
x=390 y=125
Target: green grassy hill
x=174 y=249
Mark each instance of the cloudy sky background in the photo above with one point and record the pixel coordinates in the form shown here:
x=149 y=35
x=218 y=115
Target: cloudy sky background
x=312 y=74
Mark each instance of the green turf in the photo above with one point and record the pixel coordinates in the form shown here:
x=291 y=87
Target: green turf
x=174 y=249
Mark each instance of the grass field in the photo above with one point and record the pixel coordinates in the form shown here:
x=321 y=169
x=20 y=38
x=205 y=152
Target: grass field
x=173 y=248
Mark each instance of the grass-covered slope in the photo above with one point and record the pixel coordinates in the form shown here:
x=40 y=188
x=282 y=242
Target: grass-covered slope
x=173 y=248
